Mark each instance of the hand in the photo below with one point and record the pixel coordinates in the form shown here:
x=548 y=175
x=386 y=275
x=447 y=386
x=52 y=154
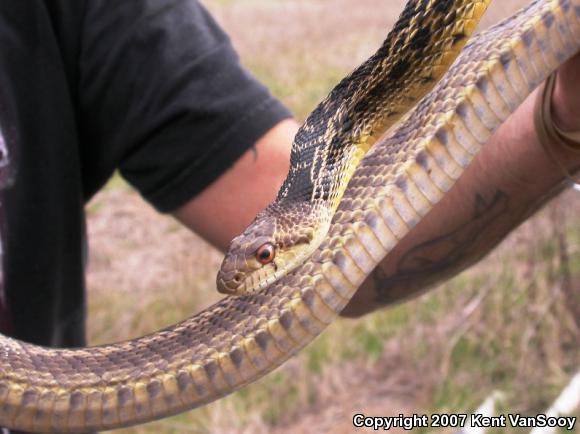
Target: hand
x=566 y=98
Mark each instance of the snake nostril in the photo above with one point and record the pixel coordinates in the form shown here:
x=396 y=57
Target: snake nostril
x=237 y=278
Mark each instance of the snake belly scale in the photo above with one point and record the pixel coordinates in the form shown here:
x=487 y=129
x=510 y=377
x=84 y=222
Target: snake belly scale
x=239 y=339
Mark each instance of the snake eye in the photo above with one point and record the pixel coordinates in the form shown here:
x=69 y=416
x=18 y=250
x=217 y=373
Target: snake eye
x=265 y=253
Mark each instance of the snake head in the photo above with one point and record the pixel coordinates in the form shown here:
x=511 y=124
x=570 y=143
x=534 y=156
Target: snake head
x=279 y=239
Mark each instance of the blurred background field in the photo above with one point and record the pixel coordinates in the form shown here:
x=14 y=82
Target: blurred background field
x=511 y=323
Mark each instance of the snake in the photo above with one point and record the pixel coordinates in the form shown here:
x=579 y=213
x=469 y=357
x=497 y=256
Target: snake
x=330 y=144
x=395 y=184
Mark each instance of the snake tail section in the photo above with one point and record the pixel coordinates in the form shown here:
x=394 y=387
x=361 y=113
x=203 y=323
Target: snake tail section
x=239 y=339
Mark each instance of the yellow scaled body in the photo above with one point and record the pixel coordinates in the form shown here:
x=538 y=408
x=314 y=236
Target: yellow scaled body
x=240 y=339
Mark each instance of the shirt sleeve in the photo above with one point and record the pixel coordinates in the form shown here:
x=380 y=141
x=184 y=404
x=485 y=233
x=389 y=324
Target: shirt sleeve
x=164 y=98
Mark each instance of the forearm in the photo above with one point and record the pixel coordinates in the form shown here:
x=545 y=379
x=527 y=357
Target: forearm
x=510 y=179
x=227 y=206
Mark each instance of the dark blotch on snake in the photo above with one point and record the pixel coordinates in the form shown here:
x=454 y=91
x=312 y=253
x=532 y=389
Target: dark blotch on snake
x=124 y=394
x=482 y=84
x=422 y=160
x=308 y=297
x=77 y=399
x=548 y=19
x=347 y=125
x=398 y=70
x=528 y=37
x=262 y=339
x=421 y=38
x=139 y=408
x=286 y=319
x=442 y=136
x=361 y=106
x=183 y=381
x=29 y=397
x=450 y=17
x=340 y=259
x=154 y=389
x=458 y=37
x=461 y=110
x=210 y=369
x=443 y=6
x=237 y=356
x=505 y=59
x=371 y=220
x=565 y=5
x=401 y=182
x=427 y=79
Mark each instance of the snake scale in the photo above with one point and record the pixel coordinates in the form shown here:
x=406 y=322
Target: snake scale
x=330 y=144
x=239 y=339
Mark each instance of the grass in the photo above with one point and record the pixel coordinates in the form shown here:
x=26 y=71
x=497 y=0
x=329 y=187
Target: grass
x=519 y=339
x=427 y=355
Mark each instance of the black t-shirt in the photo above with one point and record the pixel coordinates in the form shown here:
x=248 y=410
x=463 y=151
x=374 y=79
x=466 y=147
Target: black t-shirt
x=152 y=88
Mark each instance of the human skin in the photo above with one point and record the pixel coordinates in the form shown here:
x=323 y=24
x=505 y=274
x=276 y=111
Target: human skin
x=512 y=177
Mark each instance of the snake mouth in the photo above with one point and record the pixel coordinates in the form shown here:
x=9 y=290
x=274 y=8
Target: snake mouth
x=240 y=284
x=223 y=289
x=229 y=284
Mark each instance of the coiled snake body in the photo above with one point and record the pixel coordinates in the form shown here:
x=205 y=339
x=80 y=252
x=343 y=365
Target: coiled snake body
x=239 y=339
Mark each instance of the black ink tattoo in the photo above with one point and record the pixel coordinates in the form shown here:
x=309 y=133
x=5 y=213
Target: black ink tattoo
x=429 y=262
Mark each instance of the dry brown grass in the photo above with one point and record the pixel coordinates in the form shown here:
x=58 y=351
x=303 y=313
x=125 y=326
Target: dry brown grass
x=507 y=323
x=302 y=48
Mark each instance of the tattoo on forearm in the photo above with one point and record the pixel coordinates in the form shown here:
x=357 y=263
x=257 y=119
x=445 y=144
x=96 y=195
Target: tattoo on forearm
x=430 y=261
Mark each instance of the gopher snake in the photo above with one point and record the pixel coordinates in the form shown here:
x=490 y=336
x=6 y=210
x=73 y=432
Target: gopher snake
x=423 y=43
x=239 y=339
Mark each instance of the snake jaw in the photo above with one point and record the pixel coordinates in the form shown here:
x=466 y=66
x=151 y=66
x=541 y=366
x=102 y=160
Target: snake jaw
x=255 y=277
x=240 y=265
x=294 y=240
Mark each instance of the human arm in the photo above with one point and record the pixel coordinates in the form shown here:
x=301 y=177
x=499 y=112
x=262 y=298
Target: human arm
x=510 y=179
x=228 y=205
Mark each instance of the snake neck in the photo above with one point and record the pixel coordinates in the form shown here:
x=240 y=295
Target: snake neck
x=339 y=132
x=369 y=101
